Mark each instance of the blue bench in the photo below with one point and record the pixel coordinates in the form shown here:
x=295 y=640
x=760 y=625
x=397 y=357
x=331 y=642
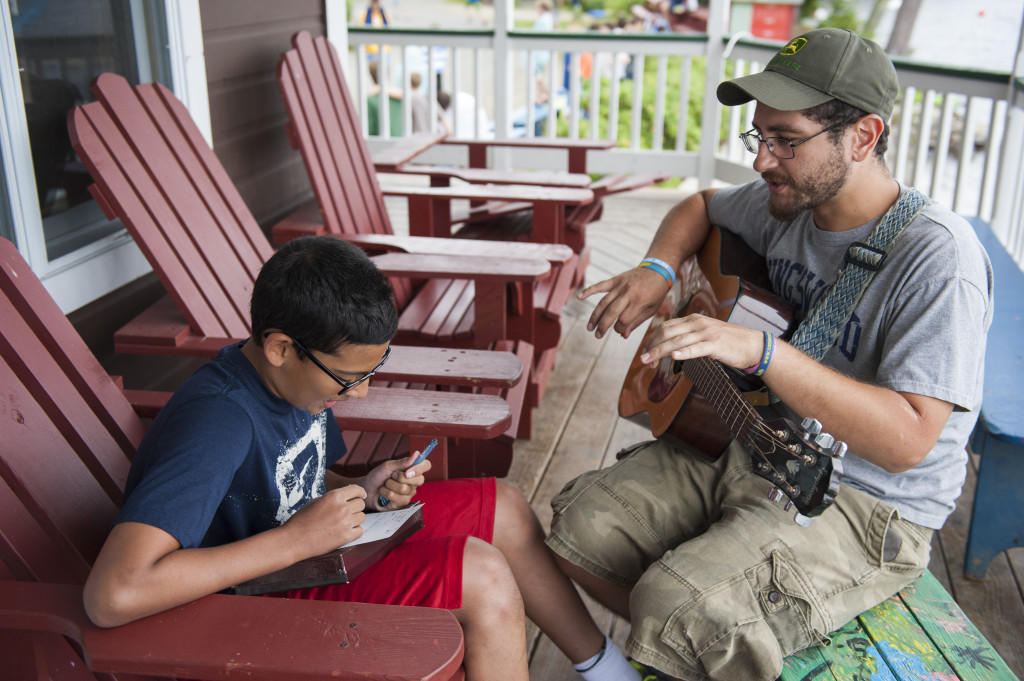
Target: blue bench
x=997 y=519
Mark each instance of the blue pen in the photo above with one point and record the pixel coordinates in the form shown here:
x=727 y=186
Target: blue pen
x=384 y=501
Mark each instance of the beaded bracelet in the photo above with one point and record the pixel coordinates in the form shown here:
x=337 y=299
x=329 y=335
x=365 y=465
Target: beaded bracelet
x=766 y=356
x=661 y=267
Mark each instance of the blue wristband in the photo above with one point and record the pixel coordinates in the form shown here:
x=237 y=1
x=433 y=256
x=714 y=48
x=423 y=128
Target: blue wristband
x=766 y=356
x=661 y=267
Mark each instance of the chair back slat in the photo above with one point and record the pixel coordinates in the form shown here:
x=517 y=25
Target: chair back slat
x=155 y=172
x=323 y=125
x=328 y=134
x=64 y=453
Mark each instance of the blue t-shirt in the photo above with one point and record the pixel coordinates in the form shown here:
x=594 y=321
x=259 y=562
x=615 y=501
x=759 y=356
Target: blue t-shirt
x=226 y=458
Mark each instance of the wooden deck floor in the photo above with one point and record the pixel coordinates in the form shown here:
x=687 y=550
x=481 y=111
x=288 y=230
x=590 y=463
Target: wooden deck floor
x=577 y=429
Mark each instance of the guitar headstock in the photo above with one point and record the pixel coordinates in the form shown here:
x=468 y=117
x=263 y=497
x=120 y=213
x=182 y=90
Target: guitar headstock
x=802 y=462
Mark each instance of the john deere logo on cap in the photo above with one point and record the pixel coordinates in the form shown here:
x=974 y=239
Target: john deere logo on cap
x=793 y=47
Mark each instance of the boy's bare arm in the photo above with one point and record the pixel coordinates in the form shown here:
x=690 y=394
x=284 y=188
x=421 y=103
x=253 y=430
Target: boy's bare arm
x=142 y=570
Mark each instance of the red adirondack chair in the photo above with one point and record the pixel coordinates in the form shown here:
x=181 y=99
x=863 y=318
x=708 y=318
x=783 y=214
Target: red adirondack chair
x=64 y=457
x=324 y=126
x=153 y=170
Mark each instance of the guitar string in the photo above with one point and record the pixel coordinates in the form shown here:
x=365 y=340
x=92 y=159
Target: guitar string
x=702 y=367
x=742 y=407
x=731 y=400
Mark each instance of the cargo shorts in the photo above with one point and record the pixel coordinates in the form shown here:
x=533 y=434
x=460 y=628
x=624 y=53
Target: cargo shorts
x=724 y=584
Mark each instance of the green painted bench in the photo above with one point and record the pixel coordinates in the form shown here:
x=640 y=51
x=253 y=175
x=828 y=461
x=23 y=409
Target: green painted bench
x=920 y=633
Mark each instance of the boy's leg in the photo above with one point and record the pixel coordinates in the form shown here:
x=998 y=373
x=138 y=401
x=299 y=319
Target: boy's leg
x=551 y=601
x=491 y=616
x=615 y=597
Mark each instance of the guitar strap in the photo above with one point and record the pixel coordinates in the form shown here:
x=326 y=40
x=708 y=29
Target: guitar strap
x=819 y=330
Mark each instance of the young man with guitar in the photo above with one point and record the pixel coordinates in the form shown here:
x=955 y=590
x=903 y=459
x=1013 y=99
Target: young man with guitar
x=893 y=296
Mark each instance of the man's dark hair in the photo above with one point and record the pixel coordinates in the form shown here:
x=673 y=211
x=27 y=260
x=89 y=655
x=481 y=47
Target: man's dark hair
x=835 y=112
x=326 y=293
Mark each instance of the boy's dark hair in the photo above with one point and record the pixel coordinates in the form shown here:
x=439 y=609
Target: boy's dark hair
x=324 y=292
x=835 y=111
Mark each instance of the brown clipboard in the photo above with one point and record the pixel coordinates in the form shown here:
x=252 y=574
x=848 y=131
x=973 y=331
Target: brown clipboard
x=336 y=567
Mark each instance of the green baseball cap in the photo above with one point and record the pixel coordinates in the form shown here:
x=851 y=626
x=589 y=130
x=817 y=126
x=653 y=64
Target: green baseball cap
x=823 y=64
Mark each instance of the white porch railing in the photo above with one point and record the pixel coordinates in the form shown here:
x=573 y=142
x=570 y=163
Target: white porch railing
x=957 y=134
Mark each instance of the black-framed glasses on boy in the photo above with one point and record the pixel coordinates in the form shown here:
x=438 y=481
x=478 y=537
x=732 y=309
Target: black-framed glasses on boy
x=345 y=385
x=780 y=147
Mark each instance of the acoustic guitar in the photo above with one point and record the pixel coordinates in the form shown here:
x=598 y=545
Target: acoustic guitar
x=703 y=404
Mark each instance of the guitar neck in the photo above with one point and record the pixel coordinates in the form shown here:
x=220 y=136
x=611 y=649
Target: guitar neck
x=718 y=389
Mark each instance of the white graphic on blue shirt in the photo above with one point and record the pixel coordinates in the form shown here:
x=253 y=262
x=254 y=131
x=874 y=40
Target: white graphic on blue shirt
x=300 y=470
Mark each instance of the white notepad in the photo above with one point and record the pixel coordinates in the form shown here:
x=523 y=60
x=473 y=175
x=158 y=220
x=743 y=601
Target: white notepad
x=383 y=525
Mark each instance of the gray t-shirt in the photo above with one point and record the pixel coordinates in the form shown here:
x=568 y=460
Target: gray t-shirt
x=920 y=327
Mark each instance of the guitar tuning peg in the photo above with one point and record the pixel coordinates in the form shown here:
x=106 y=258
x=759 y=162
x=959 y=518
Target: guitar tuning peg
x=802 y=520
x=839 y=450
x=824 y=440
x=775 y=494
x=810 y=426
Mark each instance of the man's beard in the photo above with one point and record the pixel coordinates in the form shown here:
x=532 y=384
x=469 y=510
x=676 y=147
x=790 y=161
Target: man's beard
x=821 y=186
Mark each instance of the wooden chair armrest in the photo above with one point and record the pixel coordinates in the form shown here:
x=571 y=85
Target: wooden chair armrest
x=388 y=160
x=576 y=148
x=479 y=248
x=433 y=414
x=259 y=638
x=499 y=192
x=396 y=410
x=483 y=270
x=492 y=279
x=161 y=329
x=491 y=176
x=307 y=221
x=536 y=142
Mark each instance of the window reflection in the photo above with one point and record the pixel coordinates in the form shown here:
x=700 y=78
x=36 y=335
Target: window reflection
x=62 y=45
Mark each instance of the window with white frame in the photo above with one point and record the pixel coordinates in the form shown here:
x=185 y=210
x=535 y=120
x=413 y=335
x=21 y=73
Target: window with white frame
x=53 y=49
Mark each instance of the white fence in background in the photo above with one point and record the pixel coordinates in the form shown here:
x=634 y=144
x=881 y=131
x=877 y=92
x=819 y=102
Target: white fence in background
x=956 y=133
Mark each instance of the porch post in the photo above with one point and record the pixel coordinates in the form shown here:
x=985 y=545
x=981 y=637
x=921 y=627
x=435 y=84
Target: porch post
x=1008 y=210
x=503 y=22
x=337 y=32
x=718 y=15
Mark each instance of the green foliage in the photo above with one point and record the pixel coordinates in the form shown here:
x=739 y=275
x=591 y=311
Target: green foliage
x=612 y=8
x=670 y=128
x=837 y=14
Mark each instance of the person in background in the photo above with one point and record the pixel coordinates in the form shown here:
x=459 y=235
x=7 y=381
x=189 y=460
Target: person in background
x=394 y=99
x=376 y=18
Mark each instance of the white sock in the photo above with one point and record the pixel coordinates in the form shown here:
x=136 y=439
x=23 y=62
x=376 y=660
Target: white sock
x=608 y=665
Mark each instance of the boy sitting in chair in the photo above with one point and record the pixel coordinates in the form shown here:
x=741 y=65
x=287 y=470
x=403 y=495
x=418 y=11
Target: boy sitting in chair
x=232 y=482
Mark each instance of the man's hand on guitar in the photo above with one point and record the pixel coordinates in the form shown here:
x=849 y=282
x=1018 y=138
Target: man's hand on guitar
x=698 y=335
x=632 y=298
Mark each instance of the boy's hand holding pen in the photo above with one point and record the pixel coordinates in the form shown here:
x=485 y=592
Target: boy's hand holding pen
x=383 y=501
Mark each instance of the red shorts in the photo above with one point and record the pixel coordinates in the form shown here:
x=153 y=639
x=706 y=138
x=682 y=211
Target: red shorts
x=425 y=569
